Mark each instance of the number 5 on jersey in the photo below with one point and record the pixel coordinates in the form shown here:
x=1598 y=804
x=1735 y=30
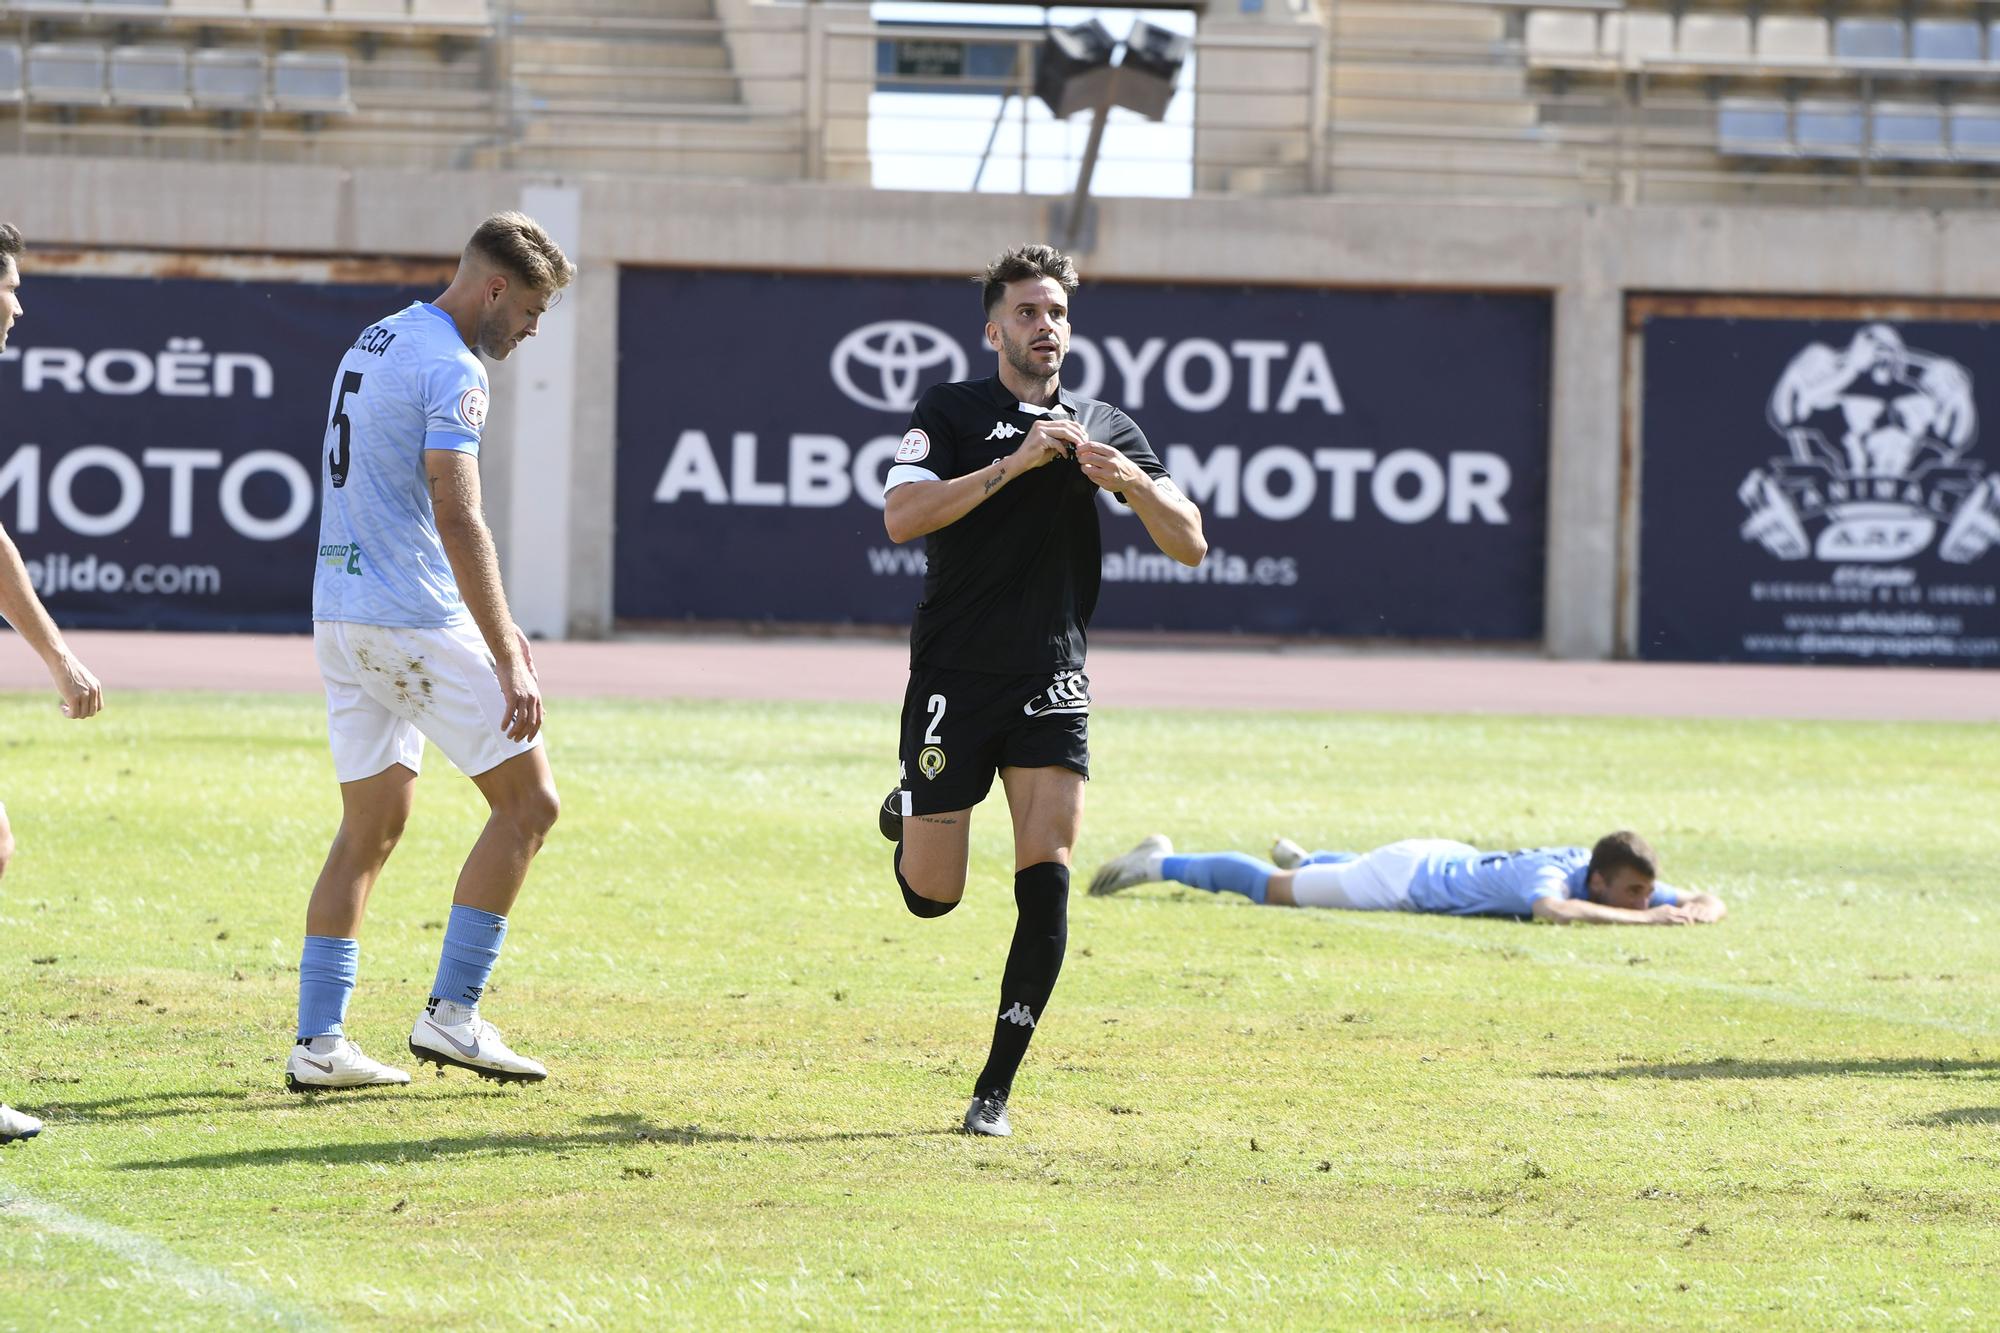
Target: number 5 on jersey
x=337 y=461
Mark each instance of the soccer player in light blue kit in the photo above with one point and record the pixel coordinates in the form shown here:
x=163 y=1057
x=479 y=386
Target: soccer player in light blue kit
x=1615 y=882
x=78 y=690
x=414 y=639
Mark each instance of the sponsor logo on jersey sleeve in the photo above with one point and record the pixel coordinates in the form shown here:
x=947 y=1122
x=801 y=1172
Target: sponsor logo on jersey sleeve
x=472 y=408
x=915 y=446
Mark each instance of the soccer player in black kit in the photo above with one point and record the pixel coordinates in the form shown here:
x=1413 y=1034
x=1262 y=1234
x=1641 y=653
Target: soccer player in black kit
x=1001 y=477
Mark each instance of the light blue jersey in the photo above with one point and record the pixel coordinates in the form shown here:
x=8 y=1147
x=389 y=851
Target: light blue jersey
x=409 y=384
x=1507 y=883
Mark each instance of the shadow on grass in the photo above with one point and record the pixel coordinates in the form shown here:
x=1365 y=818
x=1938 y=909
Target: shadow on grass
x=615 y=1131
x=213 y=1101
x=1964 y=1115
x=1729 y=1067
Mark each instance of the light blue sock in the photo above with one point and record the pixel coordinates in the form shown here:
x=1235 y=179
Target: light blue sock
x=1329 y=859
x=326 y=978
x=1228 y=872
x=471 y=947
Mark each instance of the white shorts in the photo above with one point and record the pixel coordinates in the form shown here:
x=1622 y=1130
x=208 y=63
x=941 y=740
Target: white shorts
x=1377 y=881
x=387 y=688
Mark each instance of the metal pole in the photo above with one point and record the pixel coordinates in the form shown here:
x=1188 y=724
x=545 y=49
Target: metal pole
x=1073 y=224
x=991 y=135
x=1024 y=60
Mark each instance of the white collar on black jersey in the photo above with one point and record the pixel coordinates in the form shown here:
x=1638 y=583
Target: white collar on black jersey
x=1063 y=401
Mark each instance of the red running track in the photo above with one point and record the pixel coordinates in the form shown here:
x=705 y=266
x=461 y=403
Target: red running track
x=700 y=667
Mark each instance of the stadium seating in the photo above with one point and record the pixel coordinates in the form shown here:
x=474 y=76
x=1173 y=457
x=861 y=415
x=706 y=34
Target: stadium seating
x=1754 y=128
x=1555 y=33
x=225 y=80
x=150 y=76
x=66 y=75
x=1975 y=133
x=1568 y=99
x=307 y=81
x=1636 y=37
x=1945 y=39
x=1868 y=39
x=1828 y=129
x=1714 y=35
x=1907 y=132
x=1791 y=37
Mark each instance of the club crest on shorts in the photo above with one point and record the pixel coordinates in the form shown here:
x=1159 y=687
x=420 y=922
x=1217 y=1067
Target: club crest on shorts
x=916 y=447
x=1069 y=692
x=930 y=761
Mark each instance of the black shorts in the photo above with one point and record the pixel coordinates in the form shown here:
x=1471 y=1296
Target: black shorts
x=962 y=727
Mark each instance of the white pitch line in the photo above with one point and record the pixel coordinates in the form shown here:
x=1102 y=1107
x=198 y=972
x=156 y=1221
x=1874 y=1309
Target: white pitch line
x=1766 y=994
x=153 y=1259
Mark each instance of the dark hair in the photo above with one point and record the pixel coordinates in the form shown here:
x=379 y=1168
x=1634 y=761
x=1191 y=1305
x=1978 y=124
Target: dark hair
x=11 y=243
x=517 y=243
x=1025 y=261
x=1615 y=851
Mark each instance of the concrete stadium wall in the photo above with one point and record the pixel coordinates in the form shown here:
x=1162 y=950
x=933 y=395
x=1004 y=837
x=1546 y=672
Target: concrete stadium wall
x=1589 y=257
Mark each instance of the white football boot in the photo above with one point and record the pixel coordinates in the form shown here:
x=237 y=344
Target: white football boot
x=1286 y=854
x=320 y=1063
x=17 y=1125
x=451 y=1034
x=1135 y=867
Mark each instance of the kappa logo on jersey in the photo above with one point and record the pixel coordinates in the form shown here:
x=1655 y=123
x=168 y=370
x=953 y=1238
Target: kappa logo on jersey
x=1069 y=692
x=915 y=447
x=930 y=761
x=1020 y=1015
x=472 y=408
x=1005 y=430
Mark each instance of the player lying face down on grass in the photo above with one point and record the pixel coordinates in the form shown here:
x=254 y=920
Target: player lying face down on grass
x=414 y=639
x=1615 y=883
x=77 y=690
x=1001 y=477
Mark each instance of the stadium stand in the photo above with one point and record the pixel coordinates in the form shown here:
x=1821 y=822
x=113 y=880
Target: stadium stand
x=1559 y=100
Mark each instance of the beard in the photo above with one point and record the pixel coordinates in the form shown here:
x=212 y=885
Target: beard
x=1022 y=359
x=495 y=341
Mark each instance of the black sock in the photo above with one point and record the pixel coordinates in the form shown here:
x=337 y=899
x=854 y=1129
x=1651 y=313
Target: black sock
x=1041 y=892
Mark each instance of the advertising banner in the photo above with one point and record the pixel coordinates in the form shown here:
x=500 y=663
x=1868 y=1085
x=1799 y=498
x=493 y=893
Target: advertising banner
x=1368 y=464
x=159 y=442
x=1812 y=487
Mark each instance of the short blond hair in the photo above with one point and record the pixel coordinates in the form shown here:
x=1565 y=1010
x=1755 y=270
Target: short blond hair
x=516 y=244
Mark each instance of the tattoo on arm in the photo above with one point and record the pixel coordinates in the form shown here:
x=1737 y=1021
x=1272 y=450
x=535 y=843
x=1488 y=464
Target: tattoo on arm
x=999 y=475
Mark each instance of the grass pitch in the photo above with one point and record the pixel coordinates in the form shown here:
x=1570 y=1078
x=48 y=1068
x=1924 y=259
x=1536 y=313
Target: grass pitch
x=1232 y=1114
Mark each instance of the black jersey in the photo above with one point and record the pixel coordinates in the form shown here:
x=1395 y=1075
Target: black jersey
x=1012 y=584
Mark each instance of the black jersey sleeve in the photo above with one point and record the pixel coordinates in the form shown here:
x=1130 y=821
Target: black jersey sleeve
x=930 y=445
x=1129 y=440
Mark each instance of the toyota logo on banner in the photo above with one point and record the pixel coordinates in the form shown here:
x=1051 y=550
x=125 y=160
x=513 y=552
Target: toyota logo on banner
x=885 y=364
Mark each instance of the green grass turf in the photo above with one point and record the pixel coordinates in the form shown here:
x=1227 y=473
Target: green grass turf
x=1231 y=1114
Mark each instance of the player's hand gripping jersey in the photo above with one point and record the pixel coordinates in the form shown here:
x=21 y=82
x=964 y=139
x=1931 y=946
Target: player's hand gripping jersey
x=1011 y=585
x=408 y=384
